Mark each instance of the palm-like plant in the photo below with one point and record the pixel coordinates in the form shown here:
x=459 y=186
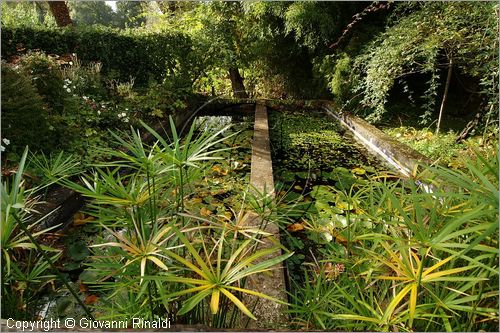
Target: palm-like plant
x=142 y=249
x=223 y=279
x=427 y=260
x=16 y=199
x=138 y=200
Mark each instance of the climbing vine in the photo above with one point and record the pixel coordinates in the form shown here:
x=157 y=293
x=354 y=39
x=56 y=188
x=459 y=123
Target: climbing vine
x=422 y=42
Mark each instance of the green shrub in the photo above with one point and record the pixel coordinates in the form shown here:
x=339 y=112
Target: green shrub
x=85 y=80
x=23 y=112
x=44 y=107
x=339 y=83
x=47 y=78
x=128 y=53
x=416 y=43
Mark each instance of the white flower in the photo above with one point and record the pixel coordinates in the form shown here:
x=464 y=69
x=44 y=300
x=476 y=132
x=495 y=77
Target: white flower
x=126 y=109
x=68 y=90
x=123 y=114
x=327 y=236
x=6 y=141
x=126 y=120
x=85 y=97
x=73 y=54
x=71 y=63
x=2 y=148
x=65 y=86
x=103 y=106
x=98 y=112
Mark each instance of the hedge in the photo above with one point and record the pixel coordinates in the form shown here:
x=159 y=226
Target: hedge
x=125 y=53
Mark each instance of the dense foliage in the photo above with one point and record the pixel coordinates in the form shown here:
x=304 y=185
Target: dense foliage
x=169 y=226
x=426 y=40
x=282 y=50
x=123 y=54
x=389 y=256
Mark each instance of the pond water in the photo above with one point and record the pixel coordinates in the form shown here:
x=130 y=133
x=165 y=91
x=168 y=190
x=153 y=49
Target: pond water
x=314 y=161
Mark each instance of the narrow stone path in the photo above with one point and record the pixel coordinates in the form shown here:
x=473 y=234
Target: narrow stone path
x=269 y=314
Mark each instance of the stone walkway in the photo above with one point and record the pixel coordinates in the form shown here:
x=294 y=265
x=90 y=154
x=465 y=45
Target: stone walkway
x=269 y=314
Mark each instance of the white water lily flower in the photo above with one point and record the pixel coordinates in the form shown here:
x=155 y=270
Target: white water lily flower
x=6 y=141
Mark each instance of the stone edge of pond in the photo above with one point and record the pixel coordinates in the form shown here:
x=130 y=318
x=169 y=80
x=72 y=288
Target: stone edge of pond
x=397 y=154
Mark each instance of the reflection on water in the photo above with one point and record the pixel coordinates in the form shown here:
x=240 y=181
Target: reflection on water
x=210 y=123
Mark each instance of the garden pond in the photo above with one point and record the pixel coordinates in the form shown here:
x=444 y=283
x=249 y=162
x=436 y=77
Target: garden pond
x=315 y=160
x=165 y=232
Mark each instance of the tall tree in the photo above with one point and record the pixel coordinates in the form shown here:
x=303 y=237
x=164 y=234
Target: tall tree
x=60 y=11
x=224 y=24
x=130 y=13
x=93 y=12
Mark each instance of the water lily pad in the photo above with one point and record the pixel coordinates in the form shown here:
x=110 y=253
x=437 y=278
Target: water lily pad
x=344 y=205
x=295 y=227
x=65 y=306
x=88 y=276
x=71 y=265
x=205 y=212
x=78 y=251
x=324 y=193
x=292 y=196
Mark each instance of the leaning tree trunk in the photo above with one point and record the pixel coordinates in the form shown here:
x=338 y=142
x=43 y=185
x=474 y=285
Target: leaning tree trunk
x=60 y=11
x=445 y=96
x=239 y=90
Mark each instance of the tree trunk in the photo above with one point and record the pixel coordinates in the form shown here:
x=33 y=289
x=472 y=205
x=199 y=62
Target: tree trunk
x=445 y=96
x=61 y=13
x=239 y=90
x=468 y=128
